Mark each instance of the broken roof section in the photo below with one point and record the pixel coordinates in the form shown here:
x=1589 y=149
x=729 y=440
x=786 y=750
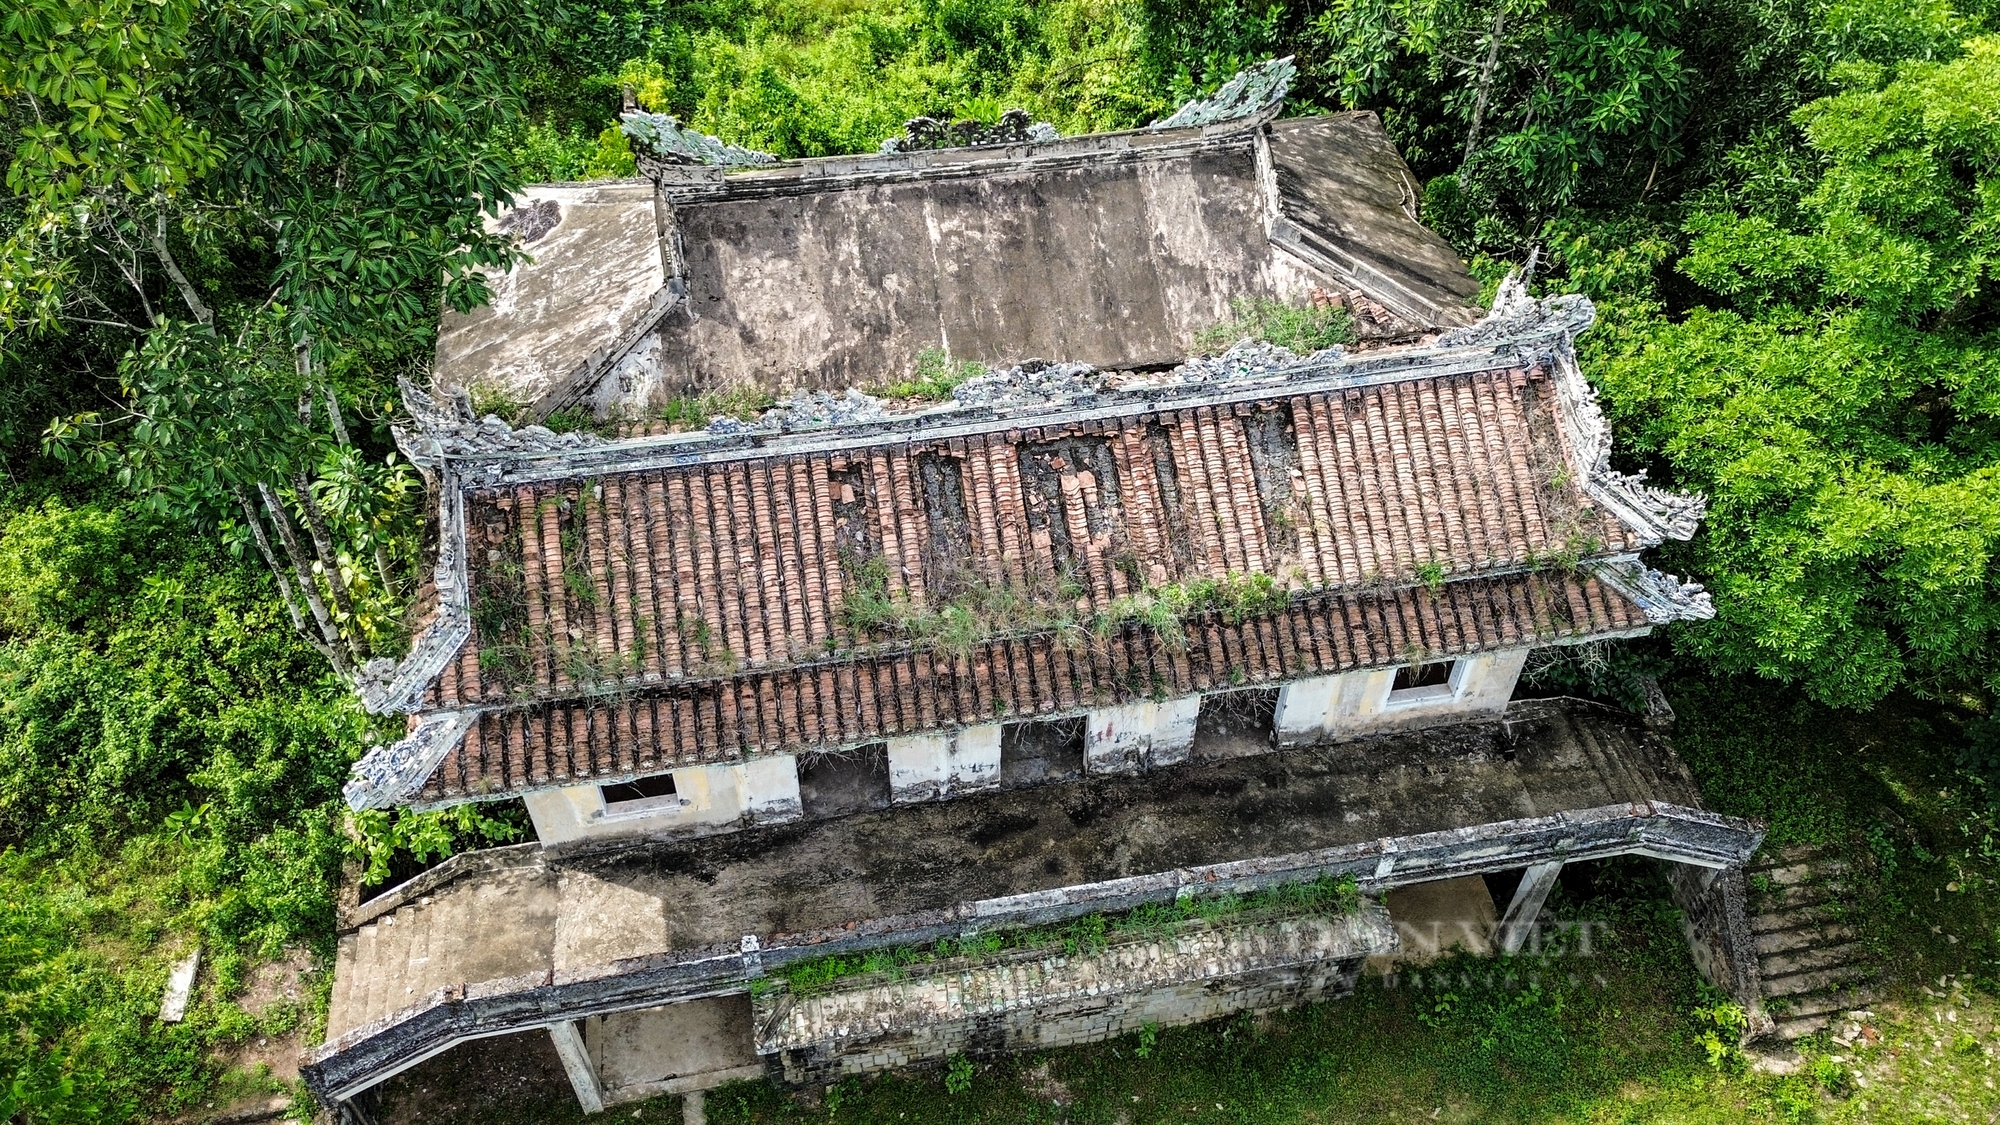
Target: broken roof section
x=608 y=610
x=1112 y=249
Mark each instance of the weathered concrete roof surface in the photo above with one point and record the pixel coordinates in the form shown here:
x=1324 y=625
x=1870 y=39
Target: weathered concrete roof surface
x=596 y=282
x=567 y=914
x=1113 y=249
x=1117 y=265
x=1112 y=262
x=1347 y=202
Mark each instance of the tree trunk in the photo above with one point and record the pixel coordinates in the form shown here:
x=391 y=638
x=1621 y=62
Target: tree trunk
x=256 y=524
x=297 y=554
x=1486 y=70
x=329 y=562
x=158 y=237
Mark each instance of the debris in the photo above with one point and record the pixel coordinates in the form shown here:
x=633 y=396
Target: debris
x=180 y=984
x=1031 y=382
x=808 y=410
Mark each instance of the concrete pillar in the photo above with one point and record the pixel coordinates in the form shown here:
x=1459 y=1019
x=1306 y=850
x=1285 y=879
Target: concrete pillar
x=919 y=767
x=927 y=767
x=769 y=789
x=1173 y=731
x=576 y=1063
x=975 y=758
x=562 y=815
x=1302 y=710
x=1517 y=922
x=1115 y=739
x=1716 y=918
x=1136 y=736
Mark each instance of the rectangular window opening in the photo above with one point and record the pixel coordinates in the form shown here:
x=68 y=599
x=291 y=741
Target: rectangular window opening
x=1435 y=674
x=640 y=794
x=1432 y=682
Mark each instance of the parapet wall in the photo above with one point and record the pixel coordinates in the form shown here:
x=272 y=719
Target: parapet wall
x=1041 y=999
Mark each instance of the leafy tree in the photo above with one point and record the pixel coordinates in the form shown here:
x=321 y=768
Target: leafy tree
x=1544 y=92
x=1842 y=406
x=211 y=194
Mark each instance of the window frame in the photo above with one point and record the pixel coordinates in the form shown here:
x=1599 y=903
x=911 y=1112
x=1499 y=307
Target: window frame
x=1430 y=694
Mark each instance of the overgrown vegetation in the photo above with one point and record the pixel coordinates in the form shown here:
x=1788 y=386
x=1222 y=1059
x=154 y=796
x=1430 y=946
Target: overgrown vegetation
x=227 y=228
x=1304 y=328
x=978 y=609
x=935 y=377
x=1081 y=937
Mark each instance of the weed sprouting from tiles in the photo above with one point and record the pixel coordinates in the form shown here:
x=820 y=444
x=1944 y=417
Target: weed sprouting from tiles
x=982 y=610
x=1302 y=328
x=1080 y=937
x=935 y=377
x=695 y=412
x=1431 y=574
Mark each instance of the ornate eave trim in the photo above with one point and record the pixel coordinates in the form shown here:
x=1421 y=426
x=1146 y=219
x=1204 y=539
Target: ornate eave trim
x=1662 y=597
x=388 y=775
x=1655 y=514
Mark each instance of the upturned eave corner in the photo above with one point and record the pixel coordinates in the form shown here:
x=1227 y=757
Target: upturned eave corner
x=390 y=774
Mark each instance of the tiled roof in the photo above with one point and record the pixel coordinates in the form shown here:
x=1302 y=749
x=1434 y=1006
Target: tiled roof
x=631 y=606
x=750 y=564
x=648 y=728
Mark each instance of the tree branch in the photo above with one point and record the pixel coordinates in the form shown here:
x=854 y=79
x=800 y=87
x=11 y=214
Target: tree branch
x=278 y=572
x=1486 y=69
x=329 y=563
x=297 y=554
x=159 y=239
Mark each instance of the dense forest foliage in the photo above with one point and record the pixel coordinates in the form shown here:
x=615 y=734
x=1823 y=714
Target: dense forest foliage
x=228 y=227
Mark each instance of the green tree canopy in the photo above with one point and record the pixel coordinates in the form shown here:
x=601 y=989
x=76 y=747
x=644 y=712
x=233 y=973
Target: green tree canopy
x=1841 y=405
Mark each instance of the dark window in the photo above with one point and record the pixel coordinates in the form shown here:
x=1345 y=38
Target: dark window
x=847 y=781
x=1435 y=674
x=642 y=789
x=1032 y=753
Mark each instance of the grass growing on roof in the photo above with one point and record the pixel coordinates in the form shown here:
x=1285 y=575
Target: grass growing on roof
x=935 y=377
x=981 y=609
x=1302 y=328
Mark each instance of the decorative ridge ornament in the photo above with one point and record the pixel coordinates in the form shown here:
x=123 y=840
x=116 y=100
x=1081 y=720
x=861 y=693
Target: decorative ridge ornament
x=1249 y=93
x=387 y=774
x=1663 y=597
x=1655 y=513
x=447 y=429
x=1014 y=128
x=661 y=137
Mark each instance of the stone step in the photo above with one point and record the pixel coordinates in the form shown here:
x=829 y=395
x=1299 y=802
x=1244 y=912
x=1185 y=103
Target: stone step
x=1797 y=917
x=1795 y=856
x=1800 y=1027
x=1788 y=941
x=345 y=970
x=1795 y=874
x=1815 y=980
x=1805 y=894
x=368 y=984
x=1830 y=1003
x=412 y=919
x=449 y=919
x=1812 y=957
x=392 y=953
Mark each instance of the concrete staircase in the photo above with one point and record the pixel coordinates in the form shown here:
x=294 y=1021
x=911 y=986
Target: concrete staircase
x=1814 y=967
x=478 y=917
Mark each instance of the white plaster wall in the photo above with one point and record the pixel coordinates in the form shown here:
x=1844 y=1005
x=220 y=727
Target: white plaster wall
x=927 y=767
x=712 y=799
x=1353 y=704
x=1143 y=735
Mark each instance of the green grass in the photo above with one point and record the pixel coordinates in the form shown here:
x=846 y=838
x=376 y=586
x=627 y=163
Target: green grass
x=935 y=377
x=1302 y=328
